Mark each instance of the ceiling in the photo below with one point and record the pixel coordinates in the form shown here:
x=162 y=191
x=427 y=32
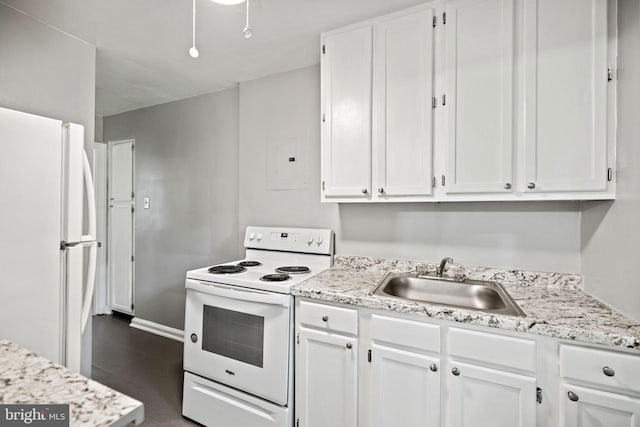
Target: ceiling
x=142 y=45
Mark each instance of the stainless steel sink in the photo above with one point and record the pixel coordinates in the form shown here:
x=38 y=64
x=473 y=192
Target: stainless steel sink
x=470 y=294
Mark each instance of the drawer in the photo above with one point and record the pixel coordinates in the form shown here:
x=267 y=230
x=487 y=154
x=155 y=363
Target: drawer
x=493 y=349
x=328 y=317
x=408 y=333
x=592 y=366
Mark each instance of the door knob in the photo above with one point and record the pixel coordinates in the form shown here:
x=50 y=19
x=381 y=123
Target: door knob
x=573 y=397
x=380 y=190
x=433 y=367
x=608 y=371
x=365 y=191
x=349 y=345
x=325 y=318
x=507 y=186
x=531 y=185
x=455 y=371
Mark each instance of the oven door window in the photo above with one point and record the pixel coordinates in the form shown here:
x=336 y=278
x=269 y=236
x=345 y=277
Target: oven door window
x=233 y=334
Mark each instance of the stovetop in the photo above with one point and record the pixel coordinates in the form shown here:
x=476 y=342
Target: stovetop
x=254 y=276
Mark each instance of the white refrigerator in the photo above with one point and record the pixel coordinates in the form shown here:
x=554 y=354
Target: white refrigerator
x=45 y=287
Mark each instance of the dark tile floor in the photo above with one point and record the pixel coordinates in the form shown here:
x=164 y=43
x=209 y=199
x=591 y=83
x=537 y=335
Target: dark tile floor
x=142 y=365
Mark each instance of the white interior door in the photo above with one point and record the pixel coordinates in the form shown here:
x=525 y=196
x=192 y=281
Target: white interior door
x=101 y=294
x=121 y=226
x=480 y=40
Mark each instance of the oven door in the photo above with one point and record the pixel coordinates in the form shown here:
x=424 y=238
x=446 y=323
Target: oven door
x=239 y=337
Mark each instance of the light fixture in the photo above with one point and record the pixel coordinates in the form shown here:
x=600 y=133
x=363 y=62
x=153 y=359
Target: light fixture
x=193 y=51
x=228 y=2
x=247 y=32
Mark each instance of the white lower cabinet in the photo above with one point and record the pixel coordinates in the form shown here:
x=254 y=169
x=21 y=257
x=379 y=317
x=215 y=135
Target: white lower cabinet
x=326 y=379
x=484 y=397
x=587 y=407
x=415 y=373
x=405 y=388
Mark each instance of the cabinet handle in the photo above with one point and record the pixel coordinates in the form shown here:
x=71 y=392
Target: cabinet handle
x=365 y=191
x=455 y=371
x=349 y=345
x=325 y=318
x=608 y=371
x=507 y=186
x=531 y=185
x=380 y=190
x=573 y=397
x=433 y=367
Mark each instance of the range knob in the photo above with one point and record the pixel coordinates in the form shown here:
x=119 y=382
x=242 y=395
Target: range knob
x=252 y=236
x=319 y=240
x=259 y=237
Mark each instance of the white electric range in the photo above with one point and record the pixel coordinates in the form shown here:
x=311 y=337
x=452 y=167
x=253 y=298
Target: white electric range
x=238 y=351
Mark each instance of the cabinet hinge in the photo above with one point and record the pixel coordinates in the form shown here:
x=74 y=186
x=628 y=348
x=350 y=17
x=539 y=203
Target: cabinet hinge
x=297 y=422
x=609 y=174
x=298 y=338
x=322 y=185
x=433 y=182
x=444 y=18
x=132 y=258
x=133 y=147
x=539 y=395
x=324 y=118
x=369 y=356
x=133 y=209
x=132 y=307
x=133 y=194
x=444 y=99
x=434 y=102
x=434 y=21
x=444 y=180
x=609 y=74
x=324 y=49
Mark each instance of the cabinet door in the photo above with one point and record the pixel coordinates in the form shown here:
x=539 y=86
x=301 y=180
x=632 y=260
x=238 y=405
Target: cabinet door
x=403 y=78
x=346 y=99
x=565 y=76
x=482 y=397
x=326 y=381
x=479 y=99
x=594 y=408
x=405 y=391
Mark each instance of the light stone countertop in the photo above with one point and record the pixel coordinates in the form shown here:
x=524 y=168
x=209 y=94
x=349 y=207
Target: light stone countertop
x=26 y=378
x=554 y=304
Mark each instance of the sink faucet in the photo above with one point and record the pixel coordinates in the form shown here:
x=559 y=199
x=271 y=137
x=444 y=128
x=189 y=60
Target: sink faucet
x=443 y=265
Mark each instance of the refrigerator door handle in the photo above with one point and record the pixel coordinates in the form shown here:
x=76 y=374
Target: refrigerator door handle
x=90 y=240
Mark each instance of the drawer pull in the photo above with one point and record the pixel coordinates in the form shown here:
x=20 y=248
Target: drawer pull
x=349 y=345
x=433 y=367
x=573 y=397
x=325 y=318
x=608 y=371
x=455 y=371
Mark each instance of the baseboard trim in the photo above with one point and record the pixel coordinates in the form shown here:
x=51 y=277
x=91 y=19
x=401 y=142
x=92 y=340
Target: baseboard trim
x=157 y=328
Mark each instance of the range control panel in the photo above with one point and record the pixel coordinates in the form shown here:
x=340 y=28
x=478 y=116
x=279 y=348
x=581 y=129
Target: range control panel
x=304 y=240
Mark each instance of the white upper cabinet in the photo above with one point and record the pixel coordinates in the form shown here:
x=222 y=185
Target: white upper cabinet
x=346 y=106
x=479 y=96
x=472 y=100
x=403 y=89
x=565 y=82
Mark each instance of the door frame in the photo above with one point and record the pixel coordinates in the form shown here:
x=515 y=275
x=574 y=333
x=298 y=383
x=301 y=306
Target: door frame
x=100 y=304
x=110 y=144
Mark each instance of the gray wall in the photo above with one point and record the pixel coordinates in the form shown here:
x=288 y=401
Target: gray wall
x=611 y=230
x=282 y=111
x=186 y=162
x=46 y=72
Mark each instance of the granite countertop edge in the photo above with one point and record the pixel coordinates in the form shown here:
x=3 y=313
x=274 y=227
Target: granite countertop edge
x=555 y=305
x=27 y=378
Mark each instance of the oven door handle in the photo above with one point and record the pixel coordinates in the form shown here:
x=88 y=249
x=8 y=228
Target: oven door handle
x=242 y=294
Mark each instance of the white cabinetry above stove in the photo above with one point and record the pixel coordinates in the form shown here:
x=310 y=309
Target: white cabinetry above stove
x=470 y=100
